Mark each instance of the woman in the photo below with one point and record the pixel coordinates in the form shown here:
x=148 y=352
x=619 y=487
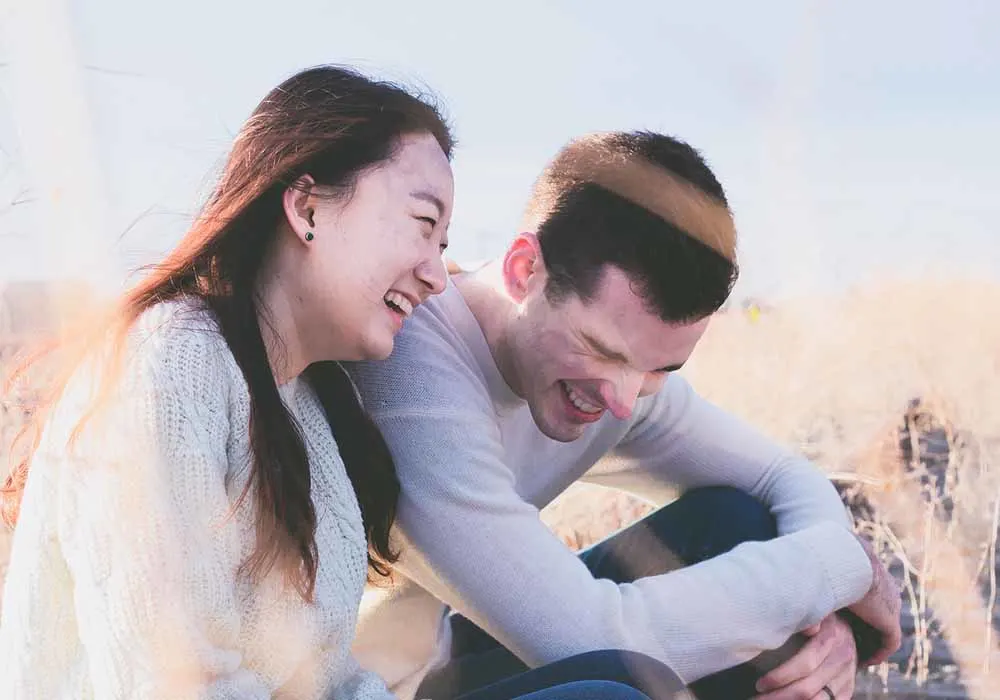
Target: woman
x=206 y=496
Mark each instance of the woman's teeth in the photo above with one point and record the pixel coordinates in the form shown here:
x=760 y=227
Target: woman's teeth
x=580 y=402
x=398 y=302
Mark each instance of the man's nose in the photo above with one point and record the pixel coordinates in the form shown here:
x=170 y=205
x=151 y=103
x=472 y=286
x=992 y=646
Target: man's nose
x=620 y=394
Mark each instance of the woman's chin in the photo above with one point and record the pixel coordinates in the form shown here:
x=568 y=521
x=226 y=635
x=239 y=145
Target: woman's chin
x=375 y=343
x=378 y=349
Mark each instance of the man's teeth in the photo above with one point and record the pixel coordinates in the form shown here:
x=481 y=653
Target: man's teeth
x=400 y=302
x=578 y=401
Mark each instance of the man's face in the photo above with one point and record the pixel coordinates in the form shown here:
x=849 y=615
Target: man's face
x=574 y=361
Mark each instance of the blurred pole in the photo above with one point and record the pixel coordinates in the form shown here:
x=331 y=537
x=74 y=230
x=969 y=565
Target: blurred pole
x=57 y=142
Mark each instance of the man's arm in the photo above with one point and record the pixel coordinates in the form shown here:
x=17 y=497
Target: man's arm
x=680 y=439
x=476 y=545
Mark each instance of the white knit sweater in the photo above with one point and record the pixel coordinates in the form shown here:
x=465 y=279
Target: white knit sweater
x=123 y=578
x=475 y=470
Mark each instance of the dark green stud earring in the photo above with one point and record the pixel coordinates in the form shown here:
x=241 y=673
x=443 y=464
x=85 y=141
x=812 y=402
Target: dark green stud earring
x=309 y=235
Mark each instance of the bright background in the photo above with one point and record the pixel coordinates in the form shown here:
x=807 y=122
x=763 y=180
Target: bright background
x=855 y=139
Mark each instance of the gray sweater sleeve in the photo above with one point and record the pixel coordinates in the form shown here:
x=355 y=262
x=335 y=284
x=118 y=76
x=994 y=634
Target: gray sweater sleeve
x=680 y=439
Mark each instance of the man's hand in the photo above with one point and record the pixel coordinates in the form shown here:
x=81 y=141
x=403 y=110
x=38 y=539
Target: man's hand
x=828 y=660
x=880 y=609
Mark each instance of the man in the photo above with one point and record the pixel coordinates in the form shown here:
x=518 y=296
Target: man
x=555 y=364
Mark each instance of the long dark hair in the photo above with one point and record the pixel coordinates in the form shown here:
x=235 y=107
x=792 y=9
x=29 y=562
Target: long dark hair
x=331 y=123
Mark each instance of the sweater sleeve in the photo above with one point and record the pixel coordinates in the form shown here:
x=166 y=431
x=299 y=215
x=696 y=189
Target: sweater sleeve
x=144 y=525
x=474 y=543
x=360 y=684
x=681 y=439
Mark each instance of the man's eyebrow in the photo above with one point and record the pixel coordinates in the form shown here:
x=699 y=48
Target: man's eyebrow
x=426 y=196
x=619 y=357
x=603 y=349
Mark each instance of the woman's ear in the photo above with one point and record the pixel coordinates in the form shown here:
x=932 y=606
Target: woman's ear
x=297 y=202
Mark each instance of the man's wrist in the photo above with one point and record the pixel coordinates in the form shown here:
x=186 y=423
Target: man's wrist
x=867 y=639
x=873 y=561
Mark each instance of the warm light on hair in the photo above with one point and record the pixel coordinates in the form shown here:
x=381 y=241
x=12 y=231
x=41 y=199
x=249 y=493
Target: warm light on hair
x=595 y=159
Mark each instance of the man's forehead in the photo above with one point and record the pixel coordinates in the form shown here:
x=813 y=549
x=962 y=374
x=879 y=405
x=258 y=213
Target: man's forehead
x=643 y=340
x=647 y=336
x=617 y=297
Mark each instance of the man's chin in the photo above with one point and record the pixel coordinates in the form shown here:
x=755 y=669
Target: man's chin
x=559 y=431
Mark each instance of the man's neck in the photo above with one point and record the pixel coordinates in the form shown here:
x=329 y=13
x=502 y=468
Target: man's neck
x=484 y=293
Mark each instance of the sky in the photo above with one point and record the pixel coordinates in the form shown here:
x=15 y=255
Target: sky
x=854 y=139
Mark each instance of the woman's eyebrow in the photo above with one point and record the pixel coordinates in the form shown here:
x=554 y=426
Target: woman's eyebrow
x=426 y=196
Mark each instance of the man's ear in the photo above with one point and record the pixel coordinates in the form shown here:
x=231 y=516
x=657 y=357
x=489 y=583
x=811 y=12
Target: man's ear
x=297 y=202
x=523 y=268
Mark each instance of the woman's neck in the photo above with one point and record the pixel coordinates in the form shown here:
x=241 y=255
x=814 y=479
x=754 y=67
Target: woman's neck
x=287 y=348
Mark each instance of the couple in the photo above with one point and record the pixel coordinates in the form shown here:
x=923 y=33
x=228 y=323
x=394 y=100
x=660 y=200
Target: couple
x=207 y=497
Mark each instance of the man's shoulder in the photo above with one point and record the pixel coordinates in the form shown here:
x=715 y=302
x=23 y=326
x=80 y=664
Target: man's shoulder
x=434 y=364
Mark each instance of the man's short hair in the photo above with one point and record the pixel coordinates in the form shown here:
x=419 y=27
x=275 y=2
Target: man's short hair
x=645 y=203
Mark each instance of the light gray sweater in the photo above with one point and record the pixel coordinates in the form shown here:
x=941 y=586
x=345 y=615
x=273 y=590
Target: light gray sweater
x=475 y=472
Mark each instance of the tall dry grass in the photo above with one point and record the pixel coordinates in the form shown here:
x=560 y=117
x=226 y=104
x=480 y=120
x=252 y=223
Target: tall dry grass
x=834 y=377
x=10 y=419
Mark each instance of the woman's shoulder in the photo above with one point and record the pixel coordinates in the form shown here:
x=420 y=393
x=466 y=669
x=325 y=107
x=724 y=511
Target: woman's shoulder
x=184 y=319
x=174 y=360
x=179 y=341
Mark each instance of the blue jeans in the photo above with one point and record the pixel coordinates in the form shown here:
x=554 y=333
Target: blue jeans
x=602 y=674
x=701 y=524
x=579 y=690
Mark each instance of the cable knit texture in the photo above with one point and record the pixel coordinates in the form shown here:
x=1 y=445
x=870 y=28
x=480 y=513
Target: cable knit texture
x=124 y=575
x=475 y=470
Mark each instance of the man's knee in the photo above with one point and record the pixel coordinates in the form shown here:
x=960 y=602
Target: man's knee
x=738 y=510
x=652 y=677
x=588 y=690
x=714 y=520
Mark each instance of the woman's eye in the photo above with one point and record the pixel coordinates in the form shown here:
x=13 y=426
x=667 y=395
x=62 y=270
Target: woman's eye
x=427 y=220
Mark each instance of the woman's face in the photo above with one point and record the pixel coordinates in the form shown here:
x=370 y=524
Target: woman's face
x=377 y=255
